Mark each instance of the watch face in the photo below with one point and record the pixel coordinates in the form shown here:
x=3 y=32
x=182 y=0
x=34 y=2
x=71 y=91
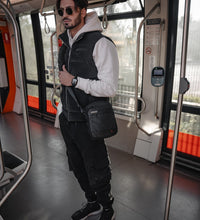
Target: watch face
x=74 y=81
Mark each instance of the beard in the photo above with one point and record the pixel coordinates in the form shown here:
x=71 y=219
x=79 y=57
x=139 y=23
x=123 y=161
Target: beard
x=72 y=23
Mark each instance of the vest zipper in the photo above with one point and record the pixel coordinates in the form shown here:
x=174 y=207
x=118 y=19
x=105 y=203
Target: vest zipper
x=70 y=50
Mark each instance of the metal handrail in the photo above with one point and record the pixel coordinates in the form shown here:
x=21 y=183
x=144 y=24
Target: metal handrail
x=1 y=162
x=100 y=4
x=137 y=70
x=42 y=7
x=24 y=100
x=179 y=106
x=52 y=59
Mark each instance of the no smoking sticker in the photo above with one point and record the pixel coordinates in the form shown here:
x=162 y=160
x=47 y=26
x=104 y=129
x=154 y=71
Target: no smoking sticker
x=148 y=50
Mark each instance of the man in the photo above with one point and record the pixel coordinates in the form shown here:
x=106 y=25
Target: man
x=88 y=65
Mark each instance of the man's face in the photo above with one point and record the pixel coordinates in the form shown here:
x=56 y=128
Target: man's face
x=72 y=17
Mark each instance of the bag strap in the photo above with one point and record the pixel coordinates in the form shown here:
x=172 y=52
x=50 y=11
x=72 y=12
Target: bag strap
x=75 y=99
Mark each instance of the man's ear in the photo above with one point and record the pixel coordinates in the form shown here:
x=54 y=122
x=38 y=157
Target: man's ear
x=83 y=12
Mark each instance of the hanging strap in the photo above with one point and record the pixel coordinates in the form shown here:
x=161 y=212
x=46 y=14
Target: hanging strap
x=105 y=18
x=46 y=26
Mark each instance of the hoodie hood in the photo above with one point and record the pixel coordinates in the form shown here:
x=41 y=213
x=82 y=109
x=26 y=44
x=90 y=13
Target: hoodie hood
x=92 y=23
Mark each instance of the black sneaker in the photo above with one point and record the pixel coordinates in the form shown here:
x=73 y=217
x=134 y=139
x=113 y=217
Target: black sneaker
x=90 y=208
x=108 y=214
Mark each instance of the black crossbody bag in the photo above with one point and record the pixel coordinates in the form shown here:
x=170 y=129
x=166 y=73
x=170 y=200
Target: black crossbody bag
x=100 y=118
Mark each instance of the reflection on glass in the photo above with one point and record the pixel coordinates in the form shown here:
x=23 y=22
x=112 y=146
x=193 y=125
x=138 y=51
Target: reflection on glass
x=29 y=47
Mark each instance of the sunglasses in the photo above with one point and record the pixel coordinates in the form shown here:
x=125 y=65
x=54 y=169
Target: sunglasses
x=68 y=11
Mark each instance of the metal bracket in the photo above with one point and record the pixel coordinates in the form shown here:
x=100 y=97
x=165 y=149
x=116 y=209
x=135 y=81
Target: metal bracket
x=184 y=85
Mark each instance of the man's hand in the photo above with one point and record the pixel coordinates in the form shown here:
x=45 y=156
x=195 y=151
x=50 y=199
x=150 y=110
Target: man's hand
x=65 y=77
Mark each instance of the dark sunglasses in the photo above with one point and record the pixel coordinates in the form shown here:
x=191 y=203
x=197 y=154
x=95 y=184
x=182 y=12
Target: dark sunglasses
x=68 y=11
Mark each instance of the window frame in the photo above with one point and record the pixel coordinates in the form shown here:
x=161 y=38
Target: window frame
x=122 y=16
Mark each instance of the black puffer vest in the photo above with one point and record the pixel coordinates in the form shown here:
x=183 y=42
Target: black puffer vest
x=78 y=61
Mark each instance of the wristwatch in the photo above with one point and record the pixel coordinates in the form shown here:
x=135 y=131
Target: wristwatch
x=74 y=81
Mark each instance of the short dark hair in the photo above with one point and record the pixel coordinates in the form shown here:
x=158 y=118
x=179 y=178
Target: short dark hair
x=78 y=3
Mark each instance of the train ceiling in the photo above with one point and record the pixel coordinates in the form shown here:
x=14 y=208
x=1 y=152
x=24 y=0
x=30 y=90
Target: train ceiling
x=20 y=6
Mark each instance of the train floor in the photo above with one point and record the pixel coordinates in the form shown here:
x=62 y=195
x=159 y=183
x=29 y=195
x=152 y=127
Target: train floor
x=50 y=191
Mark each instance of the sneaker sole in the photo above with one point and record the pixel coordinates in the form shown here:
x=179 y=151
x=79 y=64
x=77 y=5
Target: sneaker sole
x=113 y=217
x=93 y=213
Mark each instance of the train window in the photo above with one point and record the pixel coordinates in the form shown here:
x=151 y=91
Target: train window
x=123 y=33
x=189 y=135
x=48 y=33
x=29 y=47
x=33 y=96
x=49 y=107
x=190 y=123
x=46 y=36
x=192 y=97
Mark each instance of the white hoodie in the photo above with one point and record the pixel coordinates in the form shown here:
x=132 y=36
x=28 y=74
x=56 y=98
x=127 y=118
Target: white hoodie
x=106 y=61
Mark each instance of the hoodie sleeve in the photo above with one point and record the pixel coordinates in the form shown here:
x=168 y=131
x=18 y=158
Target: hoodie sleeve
x=106 y=60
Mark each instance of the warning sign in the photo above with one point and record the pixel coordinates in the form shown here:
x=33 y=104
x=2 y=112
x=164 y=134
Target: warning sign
x=148 y=50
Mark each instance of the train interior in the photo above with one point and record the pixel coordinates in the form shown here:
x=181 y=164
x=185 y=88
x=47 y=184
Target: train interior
x=155 y=156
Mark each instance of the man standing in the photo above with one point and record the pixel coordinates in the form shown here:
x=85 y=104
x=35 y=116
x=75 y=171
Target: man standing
x=88 y=64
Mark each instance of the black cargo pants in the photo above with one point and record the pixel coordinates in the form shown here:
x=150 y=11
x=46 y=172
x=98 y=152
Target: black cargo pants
x=88 y=159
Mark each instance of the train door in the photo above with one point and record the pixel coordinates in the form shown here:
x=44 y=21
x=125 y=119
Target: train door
x=189 y=136
x=4 y=89
x=36 y=32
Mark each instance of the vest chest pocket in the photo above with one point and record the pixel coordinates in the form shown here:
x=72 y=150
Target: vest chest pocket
x=81 y=61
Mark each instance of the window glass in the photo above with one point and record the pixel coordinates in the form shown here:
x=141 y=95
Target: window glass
x=192 y=96
x=189 y=131
x=47 y=30
x=124 y=33
x=33 y=96
x=29 y=47
x=190 y=123
x=189 y=138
